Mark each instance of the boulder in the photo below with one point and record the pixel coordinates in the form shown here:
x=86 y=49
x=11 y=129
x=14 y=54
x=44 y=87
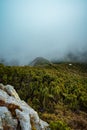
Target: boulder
x=16 y=114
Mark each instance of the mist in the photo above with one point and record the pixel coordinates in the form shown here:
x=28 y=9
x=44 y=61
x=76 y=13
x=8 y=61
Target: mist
x=46 y=28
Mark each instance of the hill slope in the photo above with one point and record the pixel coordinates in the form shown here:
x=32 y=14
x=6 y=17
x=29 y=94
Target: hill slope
x=58 y=92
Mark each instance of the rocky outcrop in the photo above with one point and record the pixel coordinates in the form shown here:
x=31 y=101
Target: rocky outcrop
x=15 y=114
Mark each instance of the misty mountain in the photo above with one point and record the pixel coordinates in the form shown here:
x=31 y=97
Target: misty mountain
x=40 y=61
x=2 y=61
x=76 y=57
x=13 y=62
x=48 y=29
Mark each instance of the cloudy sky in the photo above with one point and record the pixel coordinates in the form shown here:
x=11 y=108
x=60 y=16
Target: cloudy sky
x=45 y=28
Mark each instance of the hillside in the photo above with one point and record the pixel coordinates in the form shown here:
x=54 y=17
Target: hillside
x=58 y=92
x=40 y=61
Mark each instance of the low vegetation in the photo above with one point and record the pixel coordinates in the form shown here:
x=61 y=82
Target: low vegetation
x=57 y=91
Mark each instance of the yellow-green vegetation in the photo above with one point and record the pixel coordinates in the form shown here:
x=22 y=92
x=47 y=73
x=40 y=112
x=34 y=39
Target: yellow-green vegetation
x=57 y=91
x=59 y=125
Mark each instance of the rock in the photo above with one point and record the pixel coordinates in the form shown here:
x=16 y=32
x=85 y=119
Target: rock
x=6 y=119
x=16 y=114
x=70 y=64
x=2 y=86
x=1 y=127
x=24 y=120
x=11 y=91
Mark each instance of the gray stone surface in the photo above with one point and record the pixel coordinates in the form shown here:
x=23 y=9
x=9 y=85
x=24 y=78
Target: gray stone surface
x=14 y=112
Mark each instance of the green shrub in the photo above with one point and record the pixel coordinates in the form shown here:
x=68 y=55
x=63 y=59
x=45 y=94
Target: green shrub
x=58 y=125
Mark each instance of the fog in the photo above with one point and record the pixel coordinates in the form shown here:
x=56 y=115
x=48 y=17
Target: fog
x=45 y=28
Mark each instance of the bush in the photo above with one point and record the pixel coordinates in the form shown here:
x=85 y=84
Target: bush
x=59 y=125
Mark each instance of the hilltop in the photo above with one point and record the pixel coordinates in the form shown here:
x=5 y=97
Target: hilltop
x=40 y=61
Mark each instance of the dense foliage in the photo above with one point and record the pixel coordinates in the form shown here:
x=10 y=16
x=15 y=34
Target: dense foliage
x=55 y=91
